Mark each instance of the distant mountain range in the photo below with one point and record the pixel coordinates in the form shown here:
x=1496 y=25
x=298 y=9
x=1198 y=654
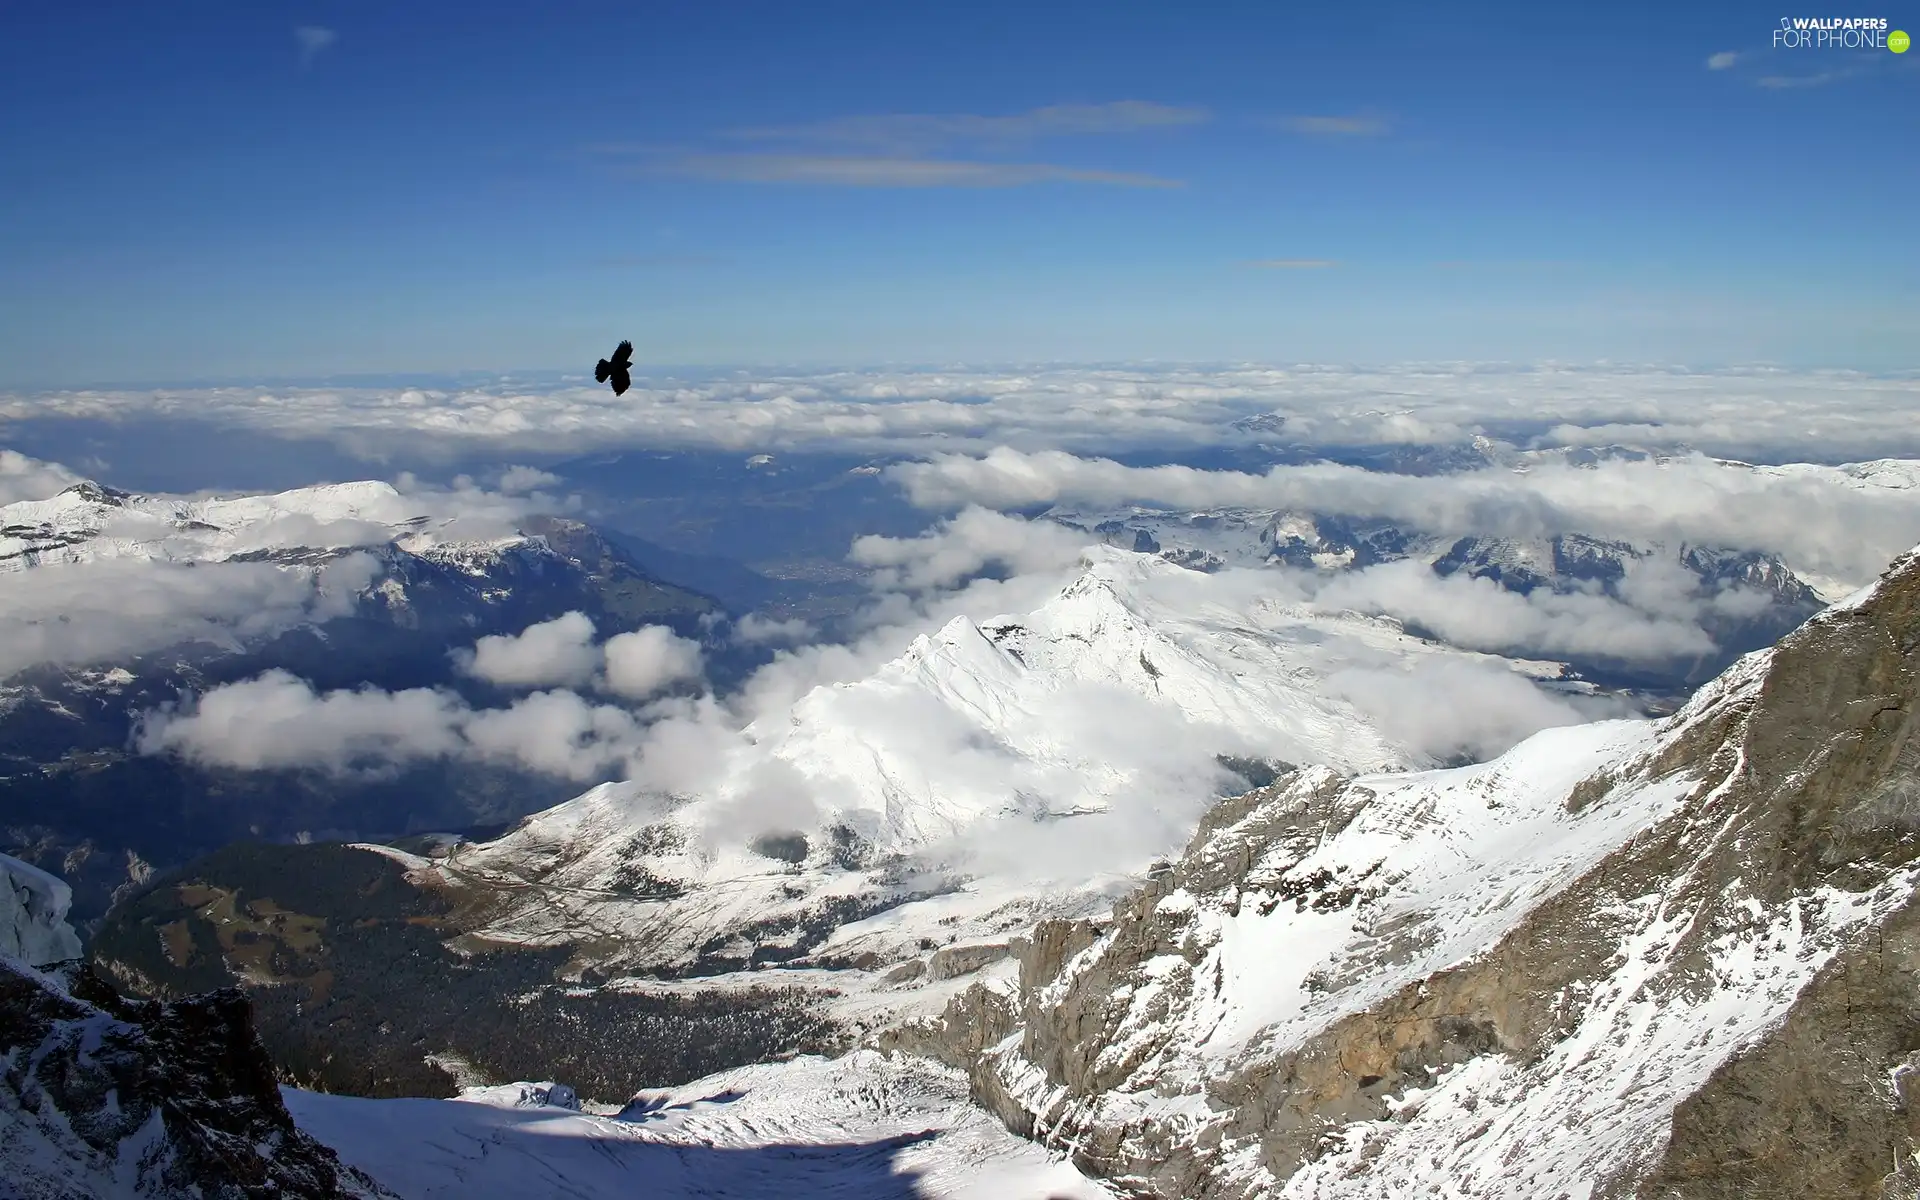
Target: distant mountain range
x=75 y=798
x=1674 y=950
x=1631 y=957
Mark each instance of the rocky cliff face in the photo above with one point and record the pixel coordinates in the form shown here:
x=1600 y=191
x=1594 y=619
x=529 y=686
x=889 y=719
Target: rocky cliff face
x=1672 y=959
x=102 y=1096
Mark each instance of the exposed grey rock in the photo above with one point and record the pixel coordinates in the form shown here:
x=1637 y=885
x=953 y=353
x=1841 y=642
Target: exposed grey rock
x=101 y=1096
x=951 y=962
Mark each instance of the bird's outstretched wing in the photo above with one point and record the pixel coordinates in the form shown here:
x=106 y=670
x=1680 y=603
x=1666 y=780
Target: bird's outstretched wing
x=621 y=382
x=623 y=354
x=601 y=371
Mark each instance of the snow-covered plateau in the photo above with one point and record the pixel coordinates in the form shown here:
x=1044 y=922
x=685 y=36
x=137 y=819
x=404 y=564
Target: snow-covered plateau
x=863 y=1127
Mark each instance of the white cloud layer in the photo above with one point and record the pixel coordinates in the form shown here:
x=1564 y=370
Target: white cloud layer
x=155 y=571
x=1818 y=522
x=278 y=721
x=23 y=478
x=1755 y=414
x=757 y=629
x=107 y=611
x=515 y=481
x=1659 y=620
x=957 y=549
x=560 y=651
x=648 y=660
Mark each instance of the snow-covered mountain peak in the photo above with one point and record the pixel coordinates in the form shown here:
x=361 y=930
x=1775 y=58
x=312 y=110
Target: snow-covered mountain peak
x=1011 y=756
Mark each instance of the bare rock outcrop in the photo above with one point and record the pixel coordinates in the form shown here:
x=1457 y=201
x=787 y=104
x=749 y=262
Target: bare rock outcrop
x=101 y=1095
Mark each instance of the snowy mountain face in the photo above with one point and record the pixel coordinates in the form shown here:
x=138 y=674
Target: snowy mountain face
x=112 y=605
x=445 y=573
x=861 y=856
x=104 y=1097
x=33 y=915
x=1669 y=958
x=899 y=873
x=1747 y=599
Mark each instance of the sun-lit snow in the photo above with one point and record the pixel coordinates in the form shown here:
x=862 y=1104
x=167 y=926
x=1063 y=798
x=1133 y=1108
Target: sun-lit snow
x=88 y=524
x=864 y=1127
x=1001 y=769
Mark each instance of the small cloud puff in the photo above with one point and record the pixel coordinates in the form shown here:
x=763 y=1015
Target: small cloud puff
x=649 y=660
x=313 y=39
x=560 y=651
x=755 y=629
x=515 y=481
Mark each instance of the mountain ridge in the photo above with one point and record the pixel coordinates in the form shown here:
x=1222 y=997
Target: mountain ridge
x=1669 y=975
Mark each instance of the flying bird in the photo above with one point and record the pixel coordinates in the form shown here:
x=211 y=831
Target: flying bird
x=615 y=369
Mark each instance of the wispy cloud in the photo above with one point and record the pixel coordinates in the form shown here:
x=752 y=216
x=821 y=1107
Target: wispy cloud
x=1355 y=125
x=868 y=171
x=1786 y=82
x=917 y=150
x=313 y=39
x=912 y=134
x=1295 y=264
x=1723 y=60
x=1502 y=264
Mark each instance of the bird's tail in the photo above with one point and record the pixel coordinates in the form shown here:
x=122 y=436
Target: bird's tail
x=601 y=371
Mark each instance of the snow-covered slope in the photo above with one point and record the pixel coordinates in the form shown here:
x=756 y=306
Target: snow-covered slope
x=865 y=1127
x=33 y=915
x=1508 y=980
x=998 y=771
x=90 y=523
x=1247 y=679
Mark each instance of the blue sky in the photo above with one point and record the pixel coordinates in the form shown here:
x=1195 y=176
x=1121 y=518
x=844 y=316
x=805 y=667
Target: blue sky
x=205 y=191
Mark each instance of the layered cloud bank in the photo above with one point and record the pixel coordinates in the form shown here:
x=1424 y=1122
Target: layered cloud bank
x=1823 y=521
x=96 y=612
x=147 y=573
x=1493 y=452
x=1755 y=414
